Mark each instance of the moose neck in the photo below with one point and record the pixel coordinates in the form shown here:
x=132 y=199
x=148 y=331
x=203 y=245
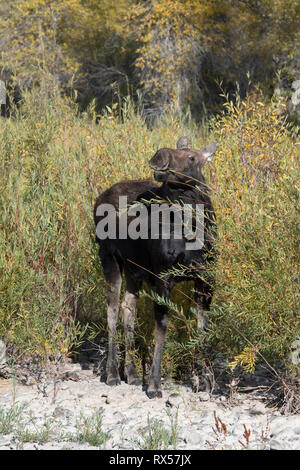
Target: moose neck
x=190 y=192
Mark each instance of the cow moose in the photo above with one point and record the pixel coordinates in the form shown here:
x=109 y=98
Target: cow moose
x=145 y=258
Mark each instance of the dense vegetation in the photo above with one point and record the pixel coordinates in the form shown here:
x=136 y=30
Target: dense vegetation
x=89 y=75
x=54 y=162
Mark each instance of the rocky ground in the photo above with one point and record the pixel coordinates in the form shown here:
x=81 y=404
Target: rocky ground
x=75 y=410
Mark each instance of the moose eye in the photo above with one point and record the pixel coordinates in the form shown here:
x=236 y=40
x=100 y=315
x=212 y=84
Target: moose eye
x=191 y=158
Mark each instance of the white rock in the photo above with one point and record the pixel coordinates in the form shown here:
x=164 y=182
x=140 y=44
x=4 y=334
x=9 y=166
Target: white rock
x=277 y=445
x=257 y=409
x=284 y=424
x=174 y=400
x=195 y=438
x=204 y=396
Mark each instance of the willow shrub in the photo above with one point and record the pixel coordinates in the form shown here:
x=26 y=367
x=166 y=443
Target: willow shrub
x=54 y=162
x=255 y=185
x=255 y=181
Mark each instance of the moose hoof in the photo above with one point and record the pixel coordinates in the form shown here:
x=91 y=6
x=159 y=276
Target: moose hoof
x=154 y=394
x=113 y=381
x=131 y=375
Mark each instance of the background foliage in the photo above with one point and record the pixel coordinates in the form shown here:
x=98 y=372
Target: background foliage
x=172 y=52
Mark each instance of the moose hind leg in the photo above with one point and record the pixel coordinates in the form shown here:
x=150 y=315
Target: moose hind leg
x=128 y=307
x=113 y=276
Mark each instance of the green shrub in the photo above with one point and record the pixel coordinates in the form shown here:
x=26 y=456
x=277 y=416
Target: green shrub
x=255 y=178
x=157 y=435
x=89 y=429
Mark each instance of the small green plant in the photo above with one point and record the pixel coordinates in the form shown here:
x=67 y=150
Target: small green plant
x=157 y=436
x=13 y=422
x=89 y=429
x=39 y=434
x=11 y=418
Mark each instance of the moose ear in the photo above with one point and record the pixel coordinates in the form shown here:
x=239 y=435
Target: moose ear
x=209 y=151
x=161 y=160
x=182 y=143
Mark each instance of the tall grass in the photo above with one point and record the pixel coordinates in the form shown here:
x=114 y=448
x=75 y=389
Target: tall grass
x=53 y=164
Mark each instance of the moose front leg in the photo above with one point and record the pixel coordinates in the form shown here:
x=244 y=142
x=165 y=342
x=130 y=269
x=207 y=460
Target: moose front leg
x=154 y=385
x=203 y=295
x=128 y=307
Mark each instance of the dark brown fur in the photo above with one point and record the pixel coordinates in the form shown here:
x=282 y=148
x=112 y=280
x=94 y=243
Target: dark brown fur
x=143 y=260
